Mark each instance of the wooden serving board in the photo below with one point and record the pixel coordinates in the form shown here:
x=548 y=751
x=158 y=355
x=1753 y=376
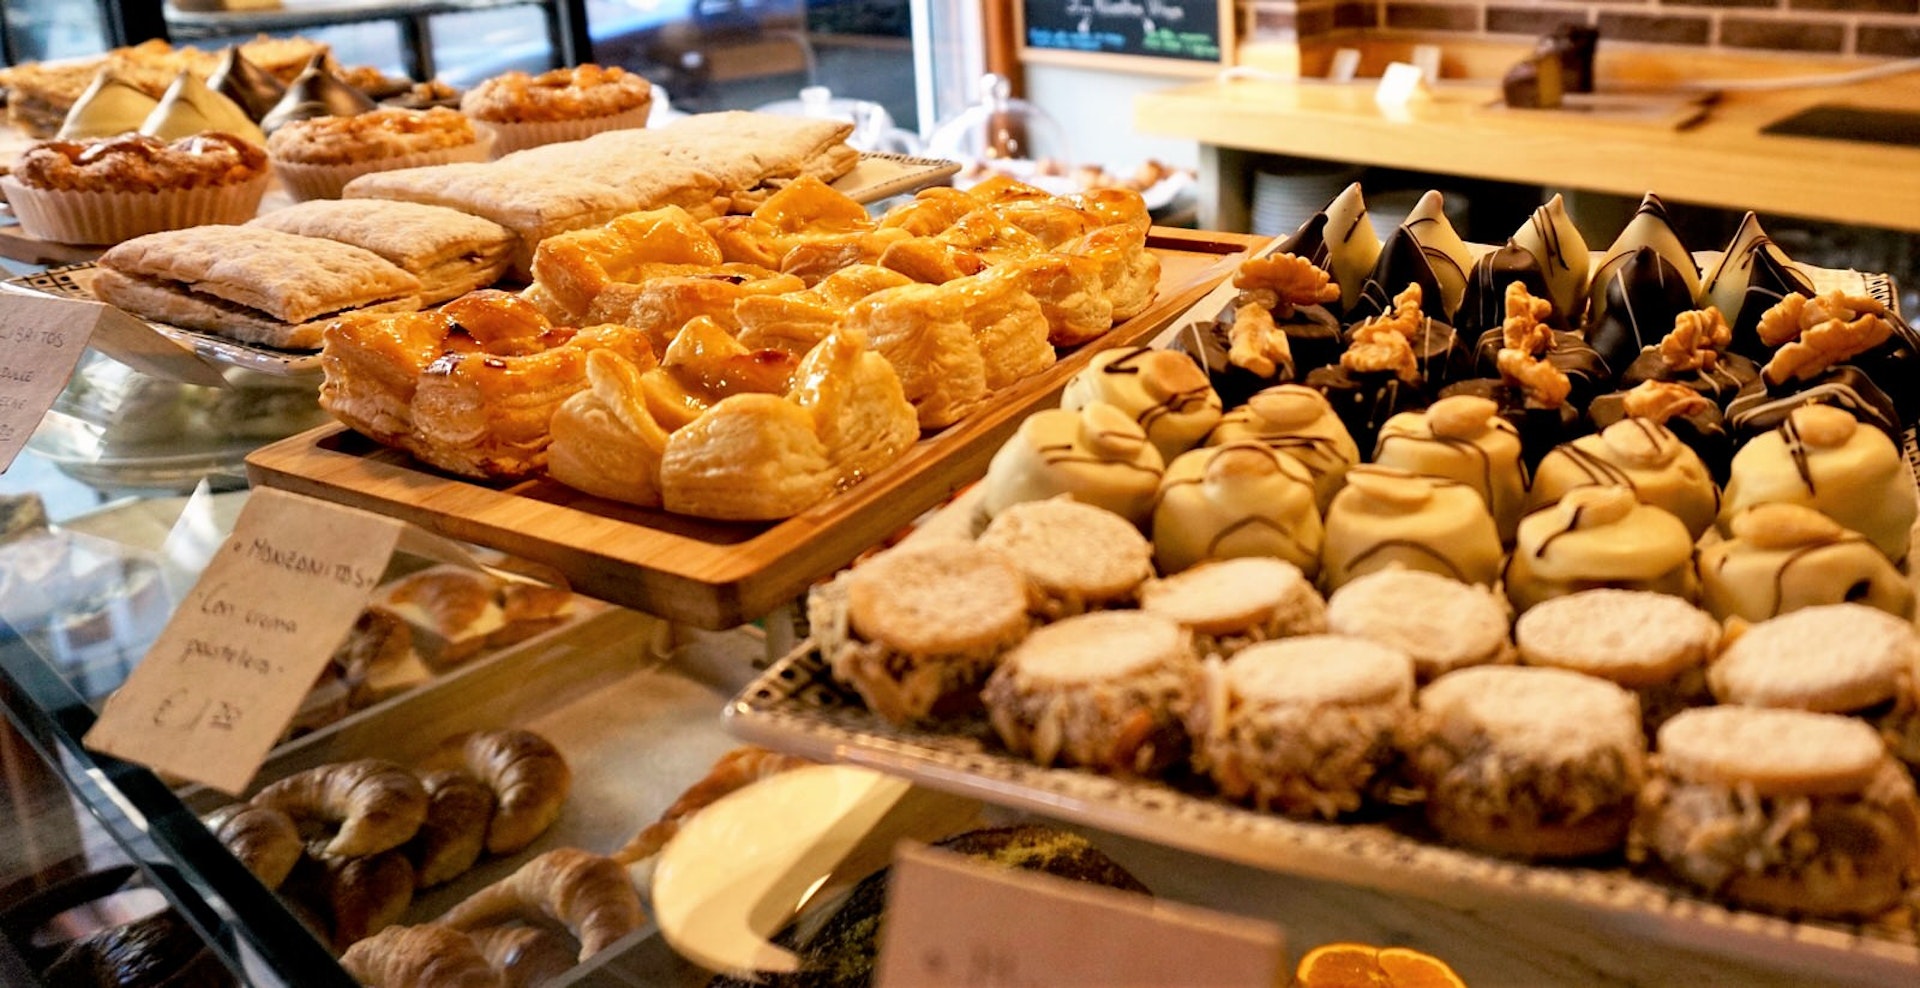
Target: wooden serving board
x=705 y=573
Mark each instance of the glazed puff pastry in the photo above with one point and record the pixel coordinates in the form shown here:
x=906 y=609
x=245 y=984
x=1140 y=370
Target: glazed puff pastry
x=574 y=268
x=1070 y=293
x=661 y=306
x=751 y=457
x=796 y=321
x=859 y=411
x=604 y=440
x=1008 y=326
x=1129 y=272
x=930 y=212
x=373 y=365
x=922 y=330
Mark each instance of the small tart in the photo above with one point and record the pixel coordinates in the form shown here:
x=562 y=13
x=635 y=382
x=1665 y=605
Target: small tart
x=135 y=163
x=368 y=136
x=562 y=94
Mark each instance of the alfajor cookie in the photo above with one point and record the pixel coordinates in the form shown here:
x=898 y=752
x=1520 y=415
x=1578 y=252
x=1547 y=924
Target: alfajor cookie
x=1823 y=458
x=1108 y=691
x=1386 y=517
x=1097 y=455
x=1783 y=557
x=1230 y=604
x=1165 y=392
x=1598 y=537
x=1241 y=499
x=917 y=629
x=1297 y=421
x=1527 y=762
x=1639 y=454
x=1442 y=624
x=1836 y=658
x=1303 y=726
x=1651 y=643
x=1781 y=810
x=1078 y=556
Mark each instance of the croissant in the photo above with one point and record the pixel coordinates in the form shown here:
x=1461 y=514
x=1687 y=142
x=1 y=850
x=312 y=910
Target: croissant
x=428 y=956
x=528 y=776
x=356 y=897
x=459 y=807
x=524 y=956
x=265 y=840
x=160 y=948
x=377 y=804
x=733 y=771
x=588 y=894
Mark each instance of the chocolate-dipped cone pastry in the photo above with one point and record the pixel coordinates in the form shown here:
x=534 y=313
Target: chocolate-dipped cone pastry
x=109 y=106
x=1401 y=263
x=1437 y=350
x=254 y=88
x=1693 y=356
x=1649 y=228
x=1816 y=338
x=1644 y=297
x=1683 y=411
x=1463 y=439
x=1241 y=499
x=1751 y=277
x=1386 y=517
x=1165 y=392
x=1549 y=234
x=1339 y=240
x=1378 y=376
x=1484 y=306
x=189 y=108
x=315 y=92
x=1836 y=328
x=1599 y=537
x=1822 y=458
x=1528 y=326
x=1445 y=252
x=1637 y=454
x=1784 y=557
x=1097 y=455
x=1295 y=420
x=1533 y=391
x=1276 y=331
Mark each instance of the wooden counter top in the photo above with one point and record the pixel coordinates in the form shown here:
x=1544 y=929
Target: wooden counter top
x=1722 y=160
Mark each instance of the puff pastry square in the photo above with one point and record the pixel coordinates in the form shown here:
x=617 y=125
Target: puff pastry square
x=258 y=285
x=922 y=330
x=452 y=253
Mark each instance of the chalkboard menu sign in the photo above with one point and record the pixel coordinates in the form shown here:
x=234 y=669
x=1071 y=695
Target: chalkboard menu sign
x=1186 y=30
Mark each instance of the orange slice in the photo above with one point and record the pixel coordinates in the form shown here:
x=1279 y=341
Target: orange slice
x=1359 y=965
x=1412 y=969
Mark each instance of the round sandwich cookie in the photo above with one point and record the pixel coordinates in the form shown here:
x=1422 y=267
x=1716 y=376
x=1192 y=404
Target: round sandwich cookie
x=1441 y=624
x=1108 y=691
x=917 y=629
x=1229 y=604
x=1080 y=557
x=1304 y=726
x=1651 y=643
x=1528 y=763
x=1838 y=658
x=1781 y=810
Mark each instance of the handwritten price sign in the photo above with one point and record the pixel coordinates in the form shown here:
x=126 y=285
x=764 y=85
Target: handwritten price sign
x=41 y=340
x=230 y=670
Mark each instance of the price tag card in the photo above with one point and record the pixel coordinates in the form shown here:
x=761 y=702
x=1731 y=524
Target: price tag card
x=231 y=668
x=951 y=923
x=41 y=340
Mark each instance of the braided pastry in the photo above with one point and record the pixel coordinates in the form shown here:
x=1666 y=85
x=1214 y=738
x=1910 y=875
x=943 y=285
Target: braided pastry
x=459 y=807
x=264 y=839
x=378 y=804
x=420 y=957
x=588 y=894
x=528 y=776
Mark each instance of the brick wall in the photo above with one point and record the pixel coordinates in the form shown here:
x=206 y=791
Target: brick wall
x=1839 y=27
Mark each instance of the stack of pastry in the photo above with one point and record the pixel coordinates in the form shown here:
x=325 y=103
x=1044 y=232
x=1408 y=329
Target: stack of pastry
x=749 y=366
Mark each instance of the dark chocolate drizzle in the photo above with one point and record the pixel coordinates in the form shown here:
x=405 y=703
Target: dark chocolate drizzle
x=1484 y=306
x=1644 y=298
x=1402 y=262
x=1421 y=548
